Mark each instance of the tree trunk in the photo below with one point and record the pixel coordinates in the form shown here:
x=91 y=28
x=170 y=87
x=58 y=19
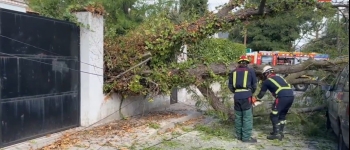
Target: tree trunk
x=215 y=101
x=295 y=71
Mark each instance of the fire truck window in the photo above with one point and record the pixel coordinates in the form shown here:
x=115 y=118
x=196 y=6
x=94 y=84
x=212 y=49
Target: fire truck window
x=266 y=60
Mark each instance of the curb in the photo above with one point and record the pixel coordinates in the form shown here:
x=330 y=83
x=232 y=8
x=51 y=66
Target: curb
x=40 y=141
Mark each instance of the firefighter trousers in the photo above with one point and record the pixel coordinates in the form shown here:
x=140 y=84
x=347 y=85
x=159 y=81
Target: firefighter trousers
x=243 y=118
x=280 y=109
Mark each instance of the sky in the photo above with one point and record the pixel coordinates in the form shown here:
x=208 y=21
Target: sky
x=214 y=3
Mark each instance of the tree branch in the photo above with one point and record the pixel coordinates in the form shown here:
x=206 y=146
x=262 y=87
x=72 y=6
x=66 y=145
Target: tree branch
x=305 y=81
x=340 y=5
x=222 y=69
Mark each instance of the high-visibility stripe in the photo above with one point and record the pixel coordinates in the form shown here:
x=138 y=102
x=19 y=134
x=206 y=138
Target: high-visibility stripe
x=274 y=112
x=245 y=79
x=241 y=90
x=279 y=87
x=234 y=79
x=283 y=122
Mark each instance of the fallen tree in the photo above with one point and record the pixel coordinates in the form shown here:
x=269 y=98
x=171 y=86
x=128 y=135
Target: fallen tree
x=128 y=72
x=161 y=41
x=301 y=69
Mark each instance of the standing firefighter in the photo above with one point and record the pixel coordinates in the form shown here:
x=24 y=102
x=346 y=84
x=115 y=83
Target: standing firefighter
x=284 y=98
x=242 y=82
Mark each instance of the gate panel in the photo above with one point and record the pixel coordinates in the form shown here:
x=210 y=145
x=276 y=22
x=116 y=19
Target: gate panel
x=39 y=76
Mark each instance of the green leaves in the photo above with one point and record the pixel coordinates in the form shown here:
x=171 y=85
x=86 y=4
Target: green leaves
x=335 y=39
x=214 y=50
x=118 y=19
x=278 y=30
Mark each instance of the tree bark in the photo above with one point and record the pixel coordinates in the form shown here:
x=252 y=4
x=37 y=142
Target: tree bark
x=215 y=101
x=222 y=69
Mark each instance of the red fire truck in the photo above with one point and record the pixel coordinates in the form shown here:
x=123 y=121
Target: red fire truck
x=274 y=58
x=279 y=57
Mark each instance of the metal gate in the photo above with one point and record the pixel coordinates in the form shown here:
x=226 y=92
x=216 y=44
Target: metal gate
x=39 y=76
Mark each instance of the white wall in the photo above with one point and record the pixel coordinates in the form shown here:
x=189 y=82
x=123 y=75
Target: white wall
x=183 y=95
x=12 y=7
x=91 y=52
x=94 y=104
x=182 y=92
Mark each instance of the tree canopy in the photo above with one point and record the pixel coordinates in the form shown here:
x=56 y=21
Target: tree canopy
x=120 y=15
x=277 y=31
x=333 y=41
x=194 y=8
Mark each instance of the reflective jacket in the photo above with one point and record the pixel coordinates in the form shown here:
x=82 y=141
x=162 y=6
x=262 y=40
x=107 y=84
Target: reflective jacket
x=242 y=82
x=277 y=85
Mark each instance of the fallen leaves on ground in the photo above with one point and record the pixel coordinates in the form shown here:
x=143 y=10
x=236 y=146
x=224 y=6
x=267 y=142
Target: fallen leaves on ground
x=193 y=121
x=165 y=115
x=65 y=141
x=119 y=128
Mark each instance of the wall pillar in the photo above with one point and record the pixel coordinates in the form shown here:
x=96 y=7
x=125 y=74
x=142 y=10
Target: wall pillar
x=91 y=57
x=182 y=92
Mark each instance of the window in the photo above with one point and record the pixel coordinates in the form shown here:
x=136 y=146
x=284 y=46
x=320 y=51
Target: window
x=343 y=81
x=266 y=60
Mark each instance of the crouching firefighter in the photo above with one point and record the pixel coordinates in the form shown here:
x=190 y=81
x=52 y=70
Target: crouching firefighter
x=284 y=98
x=242 y=82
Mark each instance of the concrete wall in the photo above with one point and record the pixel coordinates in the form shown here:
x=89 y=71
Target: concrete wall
x=183 y=94
x=95 y=106
x=10 y=6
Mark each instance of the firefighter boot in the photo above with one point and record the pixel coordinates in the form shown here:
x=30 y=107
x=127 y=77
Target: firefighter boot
x=250 y=140
x=281 y=128
x=275 y=134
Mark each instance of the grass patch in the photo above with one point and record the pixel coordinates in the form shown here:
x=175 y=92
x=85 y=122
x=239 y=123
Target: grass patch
x=304 y=125
x=152 y=148
x=312 y=124
x=324 y=146
x=220 y=130
x=211 y=148
x=261 y=121
x=186 y=129
x=175 y=133
x=166 y=144
x=154 y=125
x=171 y=144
